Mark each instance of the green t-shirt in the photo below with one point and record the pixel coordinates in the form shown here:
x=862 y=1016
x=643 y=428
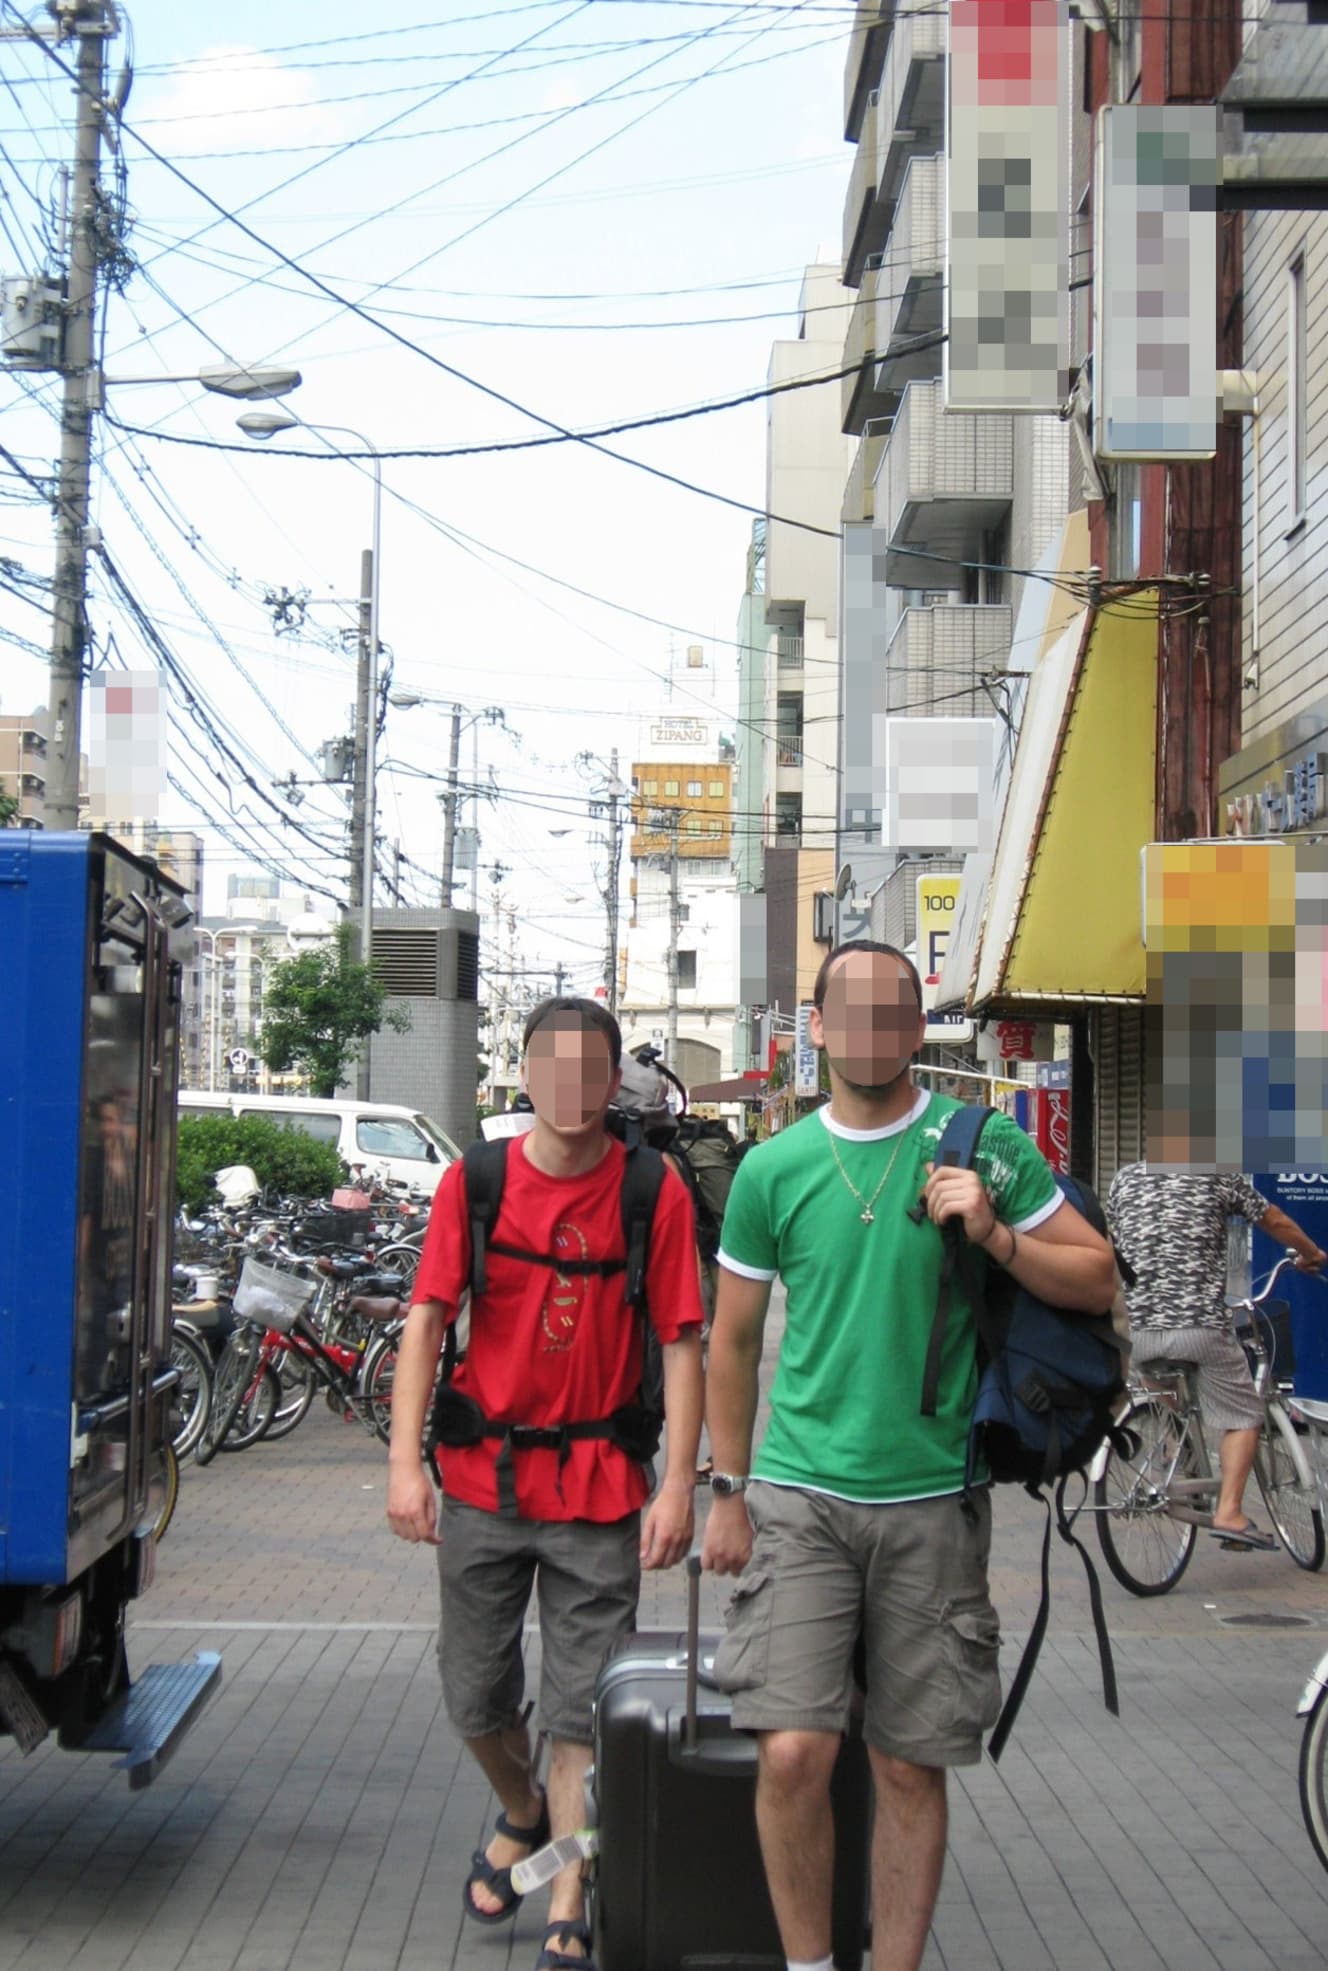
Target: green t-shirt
x=845 y=1407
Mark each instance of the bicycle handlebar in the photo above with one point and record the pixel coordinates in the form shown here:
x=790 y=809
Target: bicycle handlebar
x=1289 y=1258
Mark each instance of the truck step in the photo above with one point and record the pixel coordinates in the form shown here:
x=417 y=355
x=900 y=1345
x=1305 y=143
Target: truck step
x=148 y=1722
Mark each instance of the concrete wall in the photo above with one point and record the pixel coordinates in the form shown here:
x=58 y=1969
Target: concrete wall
x=807 y=455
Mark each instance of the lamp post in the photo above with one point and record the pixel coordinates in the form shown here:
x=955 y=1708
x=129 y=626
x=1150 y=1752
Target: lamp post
x=84 y=384
x=267 y=424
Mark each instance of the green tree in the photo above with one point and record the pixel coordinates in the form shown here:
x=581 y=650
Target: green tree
x=318 y=1007
x=8 y=807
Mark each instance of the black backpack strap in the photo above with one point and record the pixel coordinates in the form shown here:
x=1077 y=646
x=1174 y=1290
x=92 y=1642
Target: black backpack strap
x=957 y=1147
x=1037 y=1634
x=484 y=1171
x=643 y=1180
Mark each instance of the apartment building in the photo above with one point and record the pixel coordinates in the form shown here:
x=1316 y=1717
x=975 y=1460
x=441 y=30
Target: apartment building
x=23 y=765
x=789 y=672
x=939 y=505
x=683 y=901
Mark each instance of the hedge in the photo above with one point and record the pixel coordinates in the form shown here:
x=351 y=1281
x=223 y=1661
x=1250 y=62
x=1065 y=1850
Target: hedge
x=288 y=1160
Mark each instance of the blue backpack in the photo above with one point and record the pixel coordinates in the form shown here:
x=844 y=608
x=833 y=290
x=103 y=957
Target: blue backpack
x=1050 y=1380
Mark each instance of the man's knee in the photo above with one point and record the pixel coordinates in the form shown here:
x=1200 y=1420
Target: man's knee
x=797 y=1762
x=904 y=1784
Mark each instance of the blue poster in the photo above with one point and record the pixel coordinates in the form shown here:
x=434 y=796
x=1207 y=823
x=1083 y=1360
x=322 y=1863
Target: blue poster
x=1302 y=1195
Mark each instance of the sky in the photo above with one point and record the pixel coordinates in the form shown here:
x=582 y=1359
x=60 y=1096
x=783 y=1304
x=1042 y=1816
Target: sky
x=597 y=210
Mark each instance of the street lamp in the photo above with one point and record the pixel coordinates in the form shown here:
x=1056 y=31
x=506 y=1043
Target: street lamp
x=263 y=425
x=250 y=382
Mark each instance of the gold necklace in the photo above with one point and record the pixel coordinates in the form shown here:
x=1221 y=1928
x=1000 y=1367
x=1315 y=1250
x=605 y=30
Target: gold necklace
x=867 y=1215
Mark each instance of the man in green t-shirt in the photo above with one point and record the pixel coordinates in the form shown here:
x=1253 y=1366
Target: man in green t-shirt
x=852 y=1522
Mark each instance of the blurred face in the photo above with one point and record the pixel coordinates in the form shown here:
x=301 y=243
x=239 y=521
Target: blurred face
x=870 y=1025
x=569 y=1076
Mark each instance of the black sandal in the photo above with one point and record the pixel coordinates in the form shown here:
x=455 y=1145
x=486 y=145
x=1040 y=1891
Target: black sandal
x=498 y=1881
x=561 y=1960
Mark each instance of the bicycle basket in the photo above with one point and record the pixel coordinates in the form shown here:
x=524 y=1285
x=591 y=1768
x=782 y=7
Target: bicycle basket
x=266 y=1293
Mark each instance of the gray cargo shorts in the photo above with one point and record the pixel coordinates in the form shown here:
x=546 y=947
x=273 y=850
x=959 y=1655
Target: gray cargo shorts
x=911 y=1579
x=588 y=1580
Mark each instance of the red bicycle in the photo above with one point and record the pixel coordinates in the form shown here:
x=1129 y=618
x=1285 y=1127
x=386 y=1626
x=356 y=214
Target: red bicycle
x=275 y=1361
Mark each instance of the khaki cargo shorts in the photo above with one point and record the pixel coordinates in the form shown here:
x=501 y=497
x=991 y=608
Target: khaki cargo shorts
x=587 y=1579
x=909 y=1579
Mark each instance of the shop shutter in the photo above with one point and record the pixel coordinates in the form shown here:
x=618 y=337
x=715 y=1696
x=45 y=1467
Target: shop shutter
x=1118 y=1083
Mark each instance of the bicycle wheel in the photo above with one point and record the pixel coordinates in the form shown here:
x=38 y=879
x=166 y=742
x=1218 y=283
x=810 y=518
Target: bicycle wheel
x=1144 y=1546
x=376 y=1378
x=253 y=1419
x=167 y=1492
x=238 y=1373
x=1289 y=1489
x=297 y=1384
x=194 y=1394
x=1314 y=1777
x=402 y=1260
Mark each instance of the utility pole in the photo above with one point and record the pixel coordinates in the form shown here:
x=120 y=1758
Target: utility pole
x=361 y=857
x=559 y=974
x=449 y=800
x=616 y=791
x=675 y=925
x=93 y=25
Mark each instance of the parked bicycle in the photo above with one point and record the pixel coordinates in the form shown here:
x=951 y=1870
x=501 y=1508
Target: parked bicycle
x=1151 y=1501
x=275 y=1332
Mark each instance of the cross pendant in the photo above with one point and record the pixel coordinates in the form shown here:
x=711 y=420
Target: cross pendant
x=868 y=1216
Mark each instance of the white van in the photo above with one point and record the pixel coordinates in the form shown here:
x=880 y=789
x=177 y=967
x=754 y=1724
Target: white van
x=381 y=1138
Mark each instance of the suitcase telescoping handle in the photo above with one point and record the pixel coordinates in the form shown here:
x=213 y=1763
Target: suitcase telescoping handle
x=693 y=1646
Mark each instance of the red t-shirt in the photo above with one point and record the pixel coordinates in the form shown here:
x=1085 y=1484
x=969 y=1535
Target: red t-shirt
x=549 y=1348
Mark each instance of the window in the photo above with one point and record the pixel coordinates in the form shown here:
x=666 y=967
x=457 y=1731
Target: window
x=717 y=790
x=687 y=971
x=1297 y=410
x=650 y=787
x=671 y=787
x=388 y=1136
x=788 y=814
x=693 y=824
x=716 y=824
x=693 y=790
x=323 y=1128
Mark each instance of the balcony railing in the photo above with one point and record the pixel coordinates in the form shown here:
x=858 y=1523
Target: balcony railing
x=859 y=206
x=909 y=285
x=788 y=651
x=788 y=752
x=938 y=654
x=862 y=67
x=947 y=478
x=911 y=94
x=860 y=492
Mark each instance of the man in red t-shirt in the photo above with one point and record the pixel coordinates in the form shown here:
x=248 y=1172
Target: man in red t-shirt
x=547 y=1348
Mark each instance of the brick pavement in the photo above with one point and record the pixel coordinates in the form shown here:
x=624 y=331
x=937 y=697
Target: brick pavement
x=321 y=1815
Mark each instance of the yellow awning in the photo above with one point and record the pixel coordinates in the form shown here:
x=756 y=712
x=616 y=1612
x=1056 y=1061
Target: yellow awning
x=1068 y=886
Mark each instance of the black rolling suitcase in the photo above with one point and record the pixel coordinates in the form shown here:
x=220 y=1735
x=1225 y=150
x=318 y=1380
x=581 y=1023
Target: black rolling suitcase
x=679 y=1879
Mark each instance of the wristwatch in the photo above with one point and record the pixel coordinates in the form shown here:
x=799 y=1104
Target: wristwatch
x=724 y=1485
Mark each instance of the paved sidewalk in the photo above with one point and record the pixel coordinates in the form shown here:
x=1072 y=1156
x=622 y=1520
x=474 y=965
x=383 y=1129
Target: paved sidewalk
x=321 y=1815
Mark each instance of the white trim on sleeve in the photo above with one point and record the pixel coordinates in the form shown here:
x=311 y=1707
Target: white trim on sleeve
x=1042 y=1214
x=745 y=1272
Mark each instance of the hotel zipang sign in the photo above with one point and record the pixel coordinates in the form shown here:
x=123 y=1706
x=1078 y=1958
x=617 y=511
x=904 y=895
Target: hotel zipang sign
x=1297 y=798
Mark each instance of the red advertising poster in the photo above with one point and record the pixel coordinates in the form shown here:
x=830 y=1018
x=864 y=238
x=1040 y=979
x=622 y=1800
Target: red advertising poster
x=1049 y=1114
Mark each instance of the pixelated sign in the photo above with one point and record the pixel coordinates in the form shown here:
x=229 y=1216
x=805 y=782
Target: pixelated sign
x=806 y=1062
x=1236 y=935
x=1155 y=383
x=1007 y=285
x=127 y=724
x=940 y=778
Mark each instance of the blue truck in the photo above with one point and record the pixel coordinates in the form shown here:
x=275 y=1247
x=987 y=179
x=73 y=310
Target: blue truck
x=91 y=939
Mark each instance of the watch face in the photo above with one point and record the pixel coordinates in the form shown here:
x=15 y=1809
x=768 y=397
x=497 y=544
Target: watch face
x=724 y=1486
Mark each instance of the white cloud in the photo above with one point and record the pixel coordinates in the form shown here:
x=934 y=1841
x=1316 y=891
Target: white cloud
x=236 y=97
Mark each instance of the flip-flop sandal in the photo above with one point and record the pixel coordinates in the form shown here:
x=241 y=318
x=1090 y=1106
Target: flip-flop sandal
x=561 y=1960
x=1250 y=1539
x=498 y=1881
